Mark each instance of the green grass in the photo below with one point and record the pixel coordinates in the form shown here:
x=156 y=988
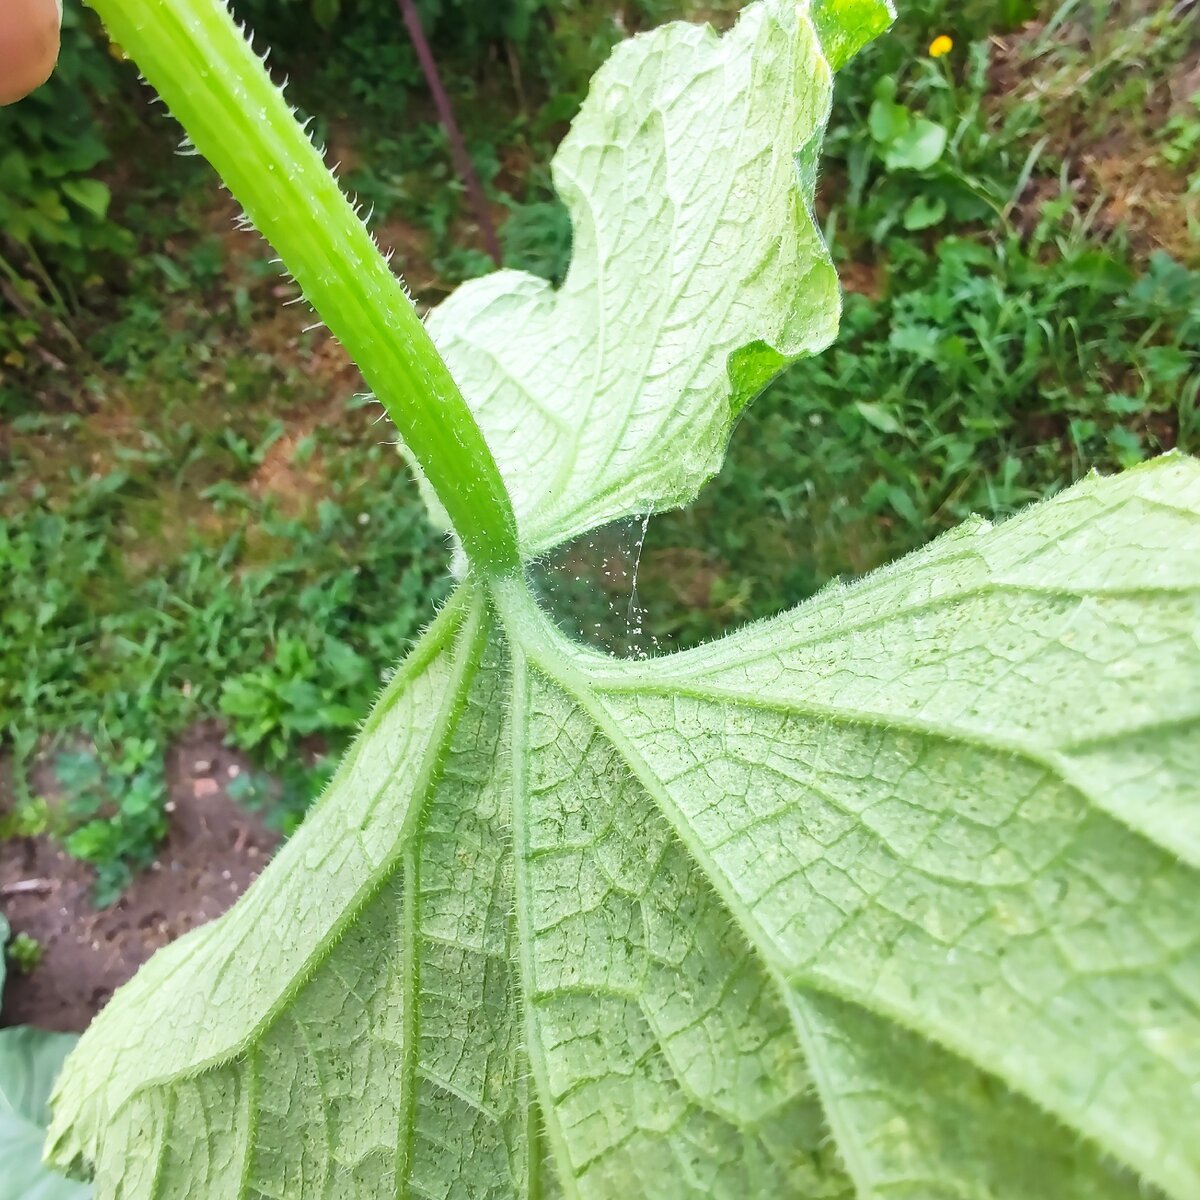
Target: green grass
x=198 y=521
x=987 y=379
x=205 y=502
x=284 y=625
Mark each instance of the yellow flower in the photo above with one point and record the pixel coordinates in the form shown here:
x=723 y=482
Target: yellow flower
x=940 y=45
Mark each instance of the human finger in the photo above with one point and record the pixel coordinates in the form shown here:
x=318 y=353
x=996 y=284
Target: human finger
x=28 y=45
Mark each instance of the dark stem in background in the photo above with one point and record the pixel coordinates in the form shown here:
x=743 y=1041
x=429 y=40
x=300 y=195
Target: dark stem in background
x=458 y=148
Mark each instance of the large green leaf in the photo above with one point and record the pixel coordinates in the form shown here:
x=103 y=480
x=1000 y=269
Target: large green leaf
x=962 y=797
x=30 y=1060
x=894 y=895
x=697 y=270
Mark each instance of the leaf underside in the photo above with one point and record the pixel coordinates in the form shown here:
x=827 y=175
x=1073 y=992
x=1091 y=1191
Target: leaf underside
x=697 y=270
x=892 y=896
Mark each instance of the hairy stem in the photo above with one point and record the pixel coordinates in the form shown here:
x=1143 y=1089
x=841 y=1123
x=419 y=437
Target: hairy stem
x=211 y=79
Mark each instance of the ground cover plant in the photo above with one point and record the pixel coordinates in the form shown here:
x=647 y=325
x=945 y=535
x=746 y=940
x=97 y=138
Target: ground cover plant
x=892 y=892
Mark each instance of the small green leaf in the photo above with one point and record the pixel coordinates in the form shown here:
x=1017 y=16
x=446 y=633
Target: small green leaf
x=877 y=416
x=921 y=341
x=1127 y=446
x=888 y=121
x=846 y=26
x=923 y=212
x=917 y=148
x=91 y=194
x=1123 y=405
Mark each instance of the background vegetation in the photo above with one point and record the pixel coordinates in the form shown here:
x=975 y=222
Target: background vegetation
x=199 y=517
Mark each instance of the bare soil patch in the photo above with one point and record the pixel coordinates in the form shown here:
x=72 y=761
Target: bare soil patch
x=213 y=851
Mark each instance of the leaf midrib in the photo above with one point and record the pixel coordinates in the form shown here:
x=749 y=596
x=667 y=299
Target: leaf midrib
x=777 y=976
x=471 y=632
x=519 y=711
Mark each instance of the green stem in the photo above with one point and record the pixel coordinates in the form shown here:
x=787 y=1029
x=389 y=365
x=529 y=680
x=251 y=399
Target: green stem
x=193 y=54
